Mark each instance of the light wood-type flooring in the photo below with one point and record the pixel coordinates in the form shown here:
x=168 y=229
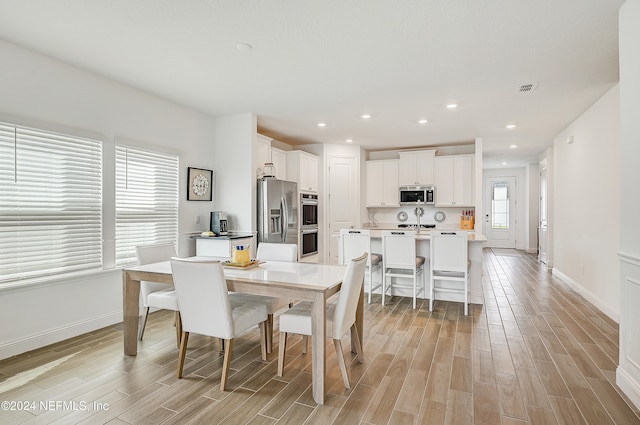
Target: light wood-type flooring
x=535 y=353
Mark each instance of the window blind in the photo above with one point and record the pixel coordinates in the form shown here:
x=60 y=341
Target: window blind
x=50 y=204
x=146 y=200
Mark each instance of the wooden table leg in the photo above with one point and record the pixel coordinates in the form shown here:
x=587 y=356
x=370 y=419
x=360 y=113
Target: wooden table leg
x=359 y=320
x=131 y=312
x=318 y=354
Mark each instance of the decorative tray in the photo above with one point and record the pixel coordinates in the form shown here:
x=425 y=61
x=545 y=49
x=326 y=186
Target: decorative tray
x=249 y=265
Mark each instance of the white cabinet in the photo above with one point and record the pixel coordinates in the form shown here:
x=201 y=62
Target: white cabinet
x=279 y=160
x=302 y=167
x=222 y=247
x=417 y=168
x=263 y=152
x=382 y=183
x=454 y=181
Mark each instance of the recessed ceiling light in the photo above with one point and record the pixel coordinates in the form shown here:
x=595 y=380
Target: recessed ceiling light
x=452 y=106
x=349 y=140
x=513 y=146
x=244 y=47
x=322 y=124
x=365 y=116
x=423 y=121
x=510 y=126
x=504 y=163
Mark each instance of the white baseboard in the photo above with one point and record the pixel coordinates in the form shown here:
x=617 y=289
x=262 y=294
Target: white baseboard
x=590 y=296
x=630 y=387
x=51 y=336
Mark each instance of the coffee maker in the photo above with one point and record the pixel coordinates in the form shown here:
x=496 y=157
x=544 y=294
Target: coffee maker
x=218 y=223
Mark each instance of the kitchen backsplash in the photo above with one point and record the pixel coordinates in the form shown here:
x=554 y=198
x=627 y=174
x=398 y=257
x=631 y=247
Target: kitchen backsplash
x=388 y=216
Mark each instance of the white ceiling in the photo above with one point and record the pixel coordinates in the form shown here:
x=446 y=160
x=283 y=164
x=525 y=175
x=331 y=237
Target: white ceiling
x=334 y=60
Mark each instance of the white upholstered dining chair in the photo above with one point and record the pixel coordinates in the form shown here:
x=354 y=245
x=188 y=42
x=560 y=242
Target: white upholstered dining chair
x=399 y=261
x=449 y=265
x=270 y=252
x=205 y=308
x=157 y=295
x=341 y=317
x=353 y=242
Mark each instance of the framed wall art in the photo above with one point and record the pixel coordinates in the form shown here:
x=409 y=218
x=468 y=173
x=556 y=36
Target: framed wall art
x=199 y=184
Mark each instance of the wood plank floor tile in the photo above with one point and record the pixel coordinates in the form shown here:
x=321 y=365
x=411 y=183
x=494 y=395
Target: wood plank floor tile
x=485 y=400
x=432 y=413
x=613 y=403
x=590 y=406
x=567 y=412
x=533 y=392
x=461 y=374
x=510 y=397
x=551 y=378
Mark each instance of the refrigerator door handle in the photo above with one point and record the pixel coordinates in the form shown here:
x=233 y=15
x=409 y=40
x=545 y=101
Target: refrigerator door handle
x=285 y=221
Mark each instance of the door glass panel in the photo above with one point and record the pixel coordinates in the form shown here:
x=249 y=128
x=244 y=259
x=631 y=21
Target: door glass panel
x=500 y=206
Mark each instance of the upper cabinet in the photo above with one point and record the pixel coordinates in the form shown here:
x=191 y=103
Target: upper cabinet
x=417 y=168
x=302 y=167
x=279 y=160
x=454 y=180
x=382 y=183
x=263 y=152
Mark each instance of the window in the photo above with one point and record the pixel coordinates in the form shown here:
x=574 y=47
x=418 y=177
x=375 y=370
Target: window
x=50 y=204
x=500 y=206
x=146 y=200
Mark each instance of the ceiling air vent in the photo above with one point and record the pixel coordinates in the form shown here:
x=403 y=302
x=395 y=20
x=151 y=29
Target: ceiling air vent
x=526 y=88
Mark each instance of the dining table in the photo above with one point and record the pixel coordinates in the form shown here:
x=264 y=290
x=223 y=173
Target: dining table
x=293 y=280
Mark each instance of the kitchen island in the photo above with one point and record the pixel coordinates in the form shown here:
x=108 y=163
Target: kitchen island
x=423 y=246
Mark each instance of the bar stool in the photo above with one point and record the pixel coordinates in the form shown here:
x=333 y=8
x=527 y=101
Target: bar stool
x=354 y=242
x=399 y=260
x=450 y=265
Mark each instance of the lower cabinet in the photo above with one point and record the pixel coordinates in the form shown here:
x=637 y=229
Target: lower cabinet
x=222 y=246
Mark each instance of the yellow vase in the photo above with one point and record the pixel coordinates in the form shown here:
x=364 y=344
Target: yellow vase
x=240 y=254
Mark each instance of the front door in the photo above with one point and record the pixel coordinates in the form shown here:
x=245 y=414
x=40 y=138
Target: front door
x=343 y=200
x=500 y=208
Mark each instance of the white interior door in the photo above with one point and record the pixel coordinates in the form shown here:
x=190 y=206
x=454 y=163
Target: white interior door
x=343 y=200
x=543 y=237
x=500 y=208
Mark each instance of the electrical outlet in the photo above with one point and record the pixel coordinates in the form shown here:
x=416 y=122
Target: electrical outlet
x=197 y=220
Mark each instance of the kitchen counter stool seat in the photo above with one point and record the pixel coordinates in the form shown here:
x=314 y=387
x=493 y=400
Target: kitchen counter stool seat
x=399 y=261
x=353 y=242
x=450 y=265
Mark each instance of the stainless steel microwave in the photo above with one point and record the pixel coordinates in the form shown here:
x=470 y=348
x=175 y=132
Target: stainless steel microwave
x=410 y=195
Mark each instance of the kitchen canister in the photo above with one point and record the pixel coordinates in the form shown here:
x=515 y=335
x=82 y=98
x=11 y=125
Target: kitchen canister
x=269 y=170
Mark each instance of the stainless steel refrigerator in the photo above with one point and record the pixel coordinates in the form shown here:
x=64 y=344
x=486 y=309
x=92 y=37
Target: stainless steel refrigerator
x=277 y=211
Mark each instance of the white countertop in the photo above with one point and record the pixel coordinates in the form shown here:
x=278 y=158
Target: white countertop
x=425 y=235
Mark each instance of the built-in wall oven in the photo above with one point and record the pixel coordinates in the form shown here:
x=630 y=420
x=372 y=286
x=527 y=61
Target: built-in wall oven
x=308 y=224
x=309 y=242
x=308 y=210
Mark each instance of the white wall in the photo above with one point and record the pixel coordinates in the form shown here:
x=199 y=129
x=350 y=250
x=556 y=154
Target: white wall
x=41 y=92
x=587 y=203
x=235 y=139
x=628 y=373
x=521 y=201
